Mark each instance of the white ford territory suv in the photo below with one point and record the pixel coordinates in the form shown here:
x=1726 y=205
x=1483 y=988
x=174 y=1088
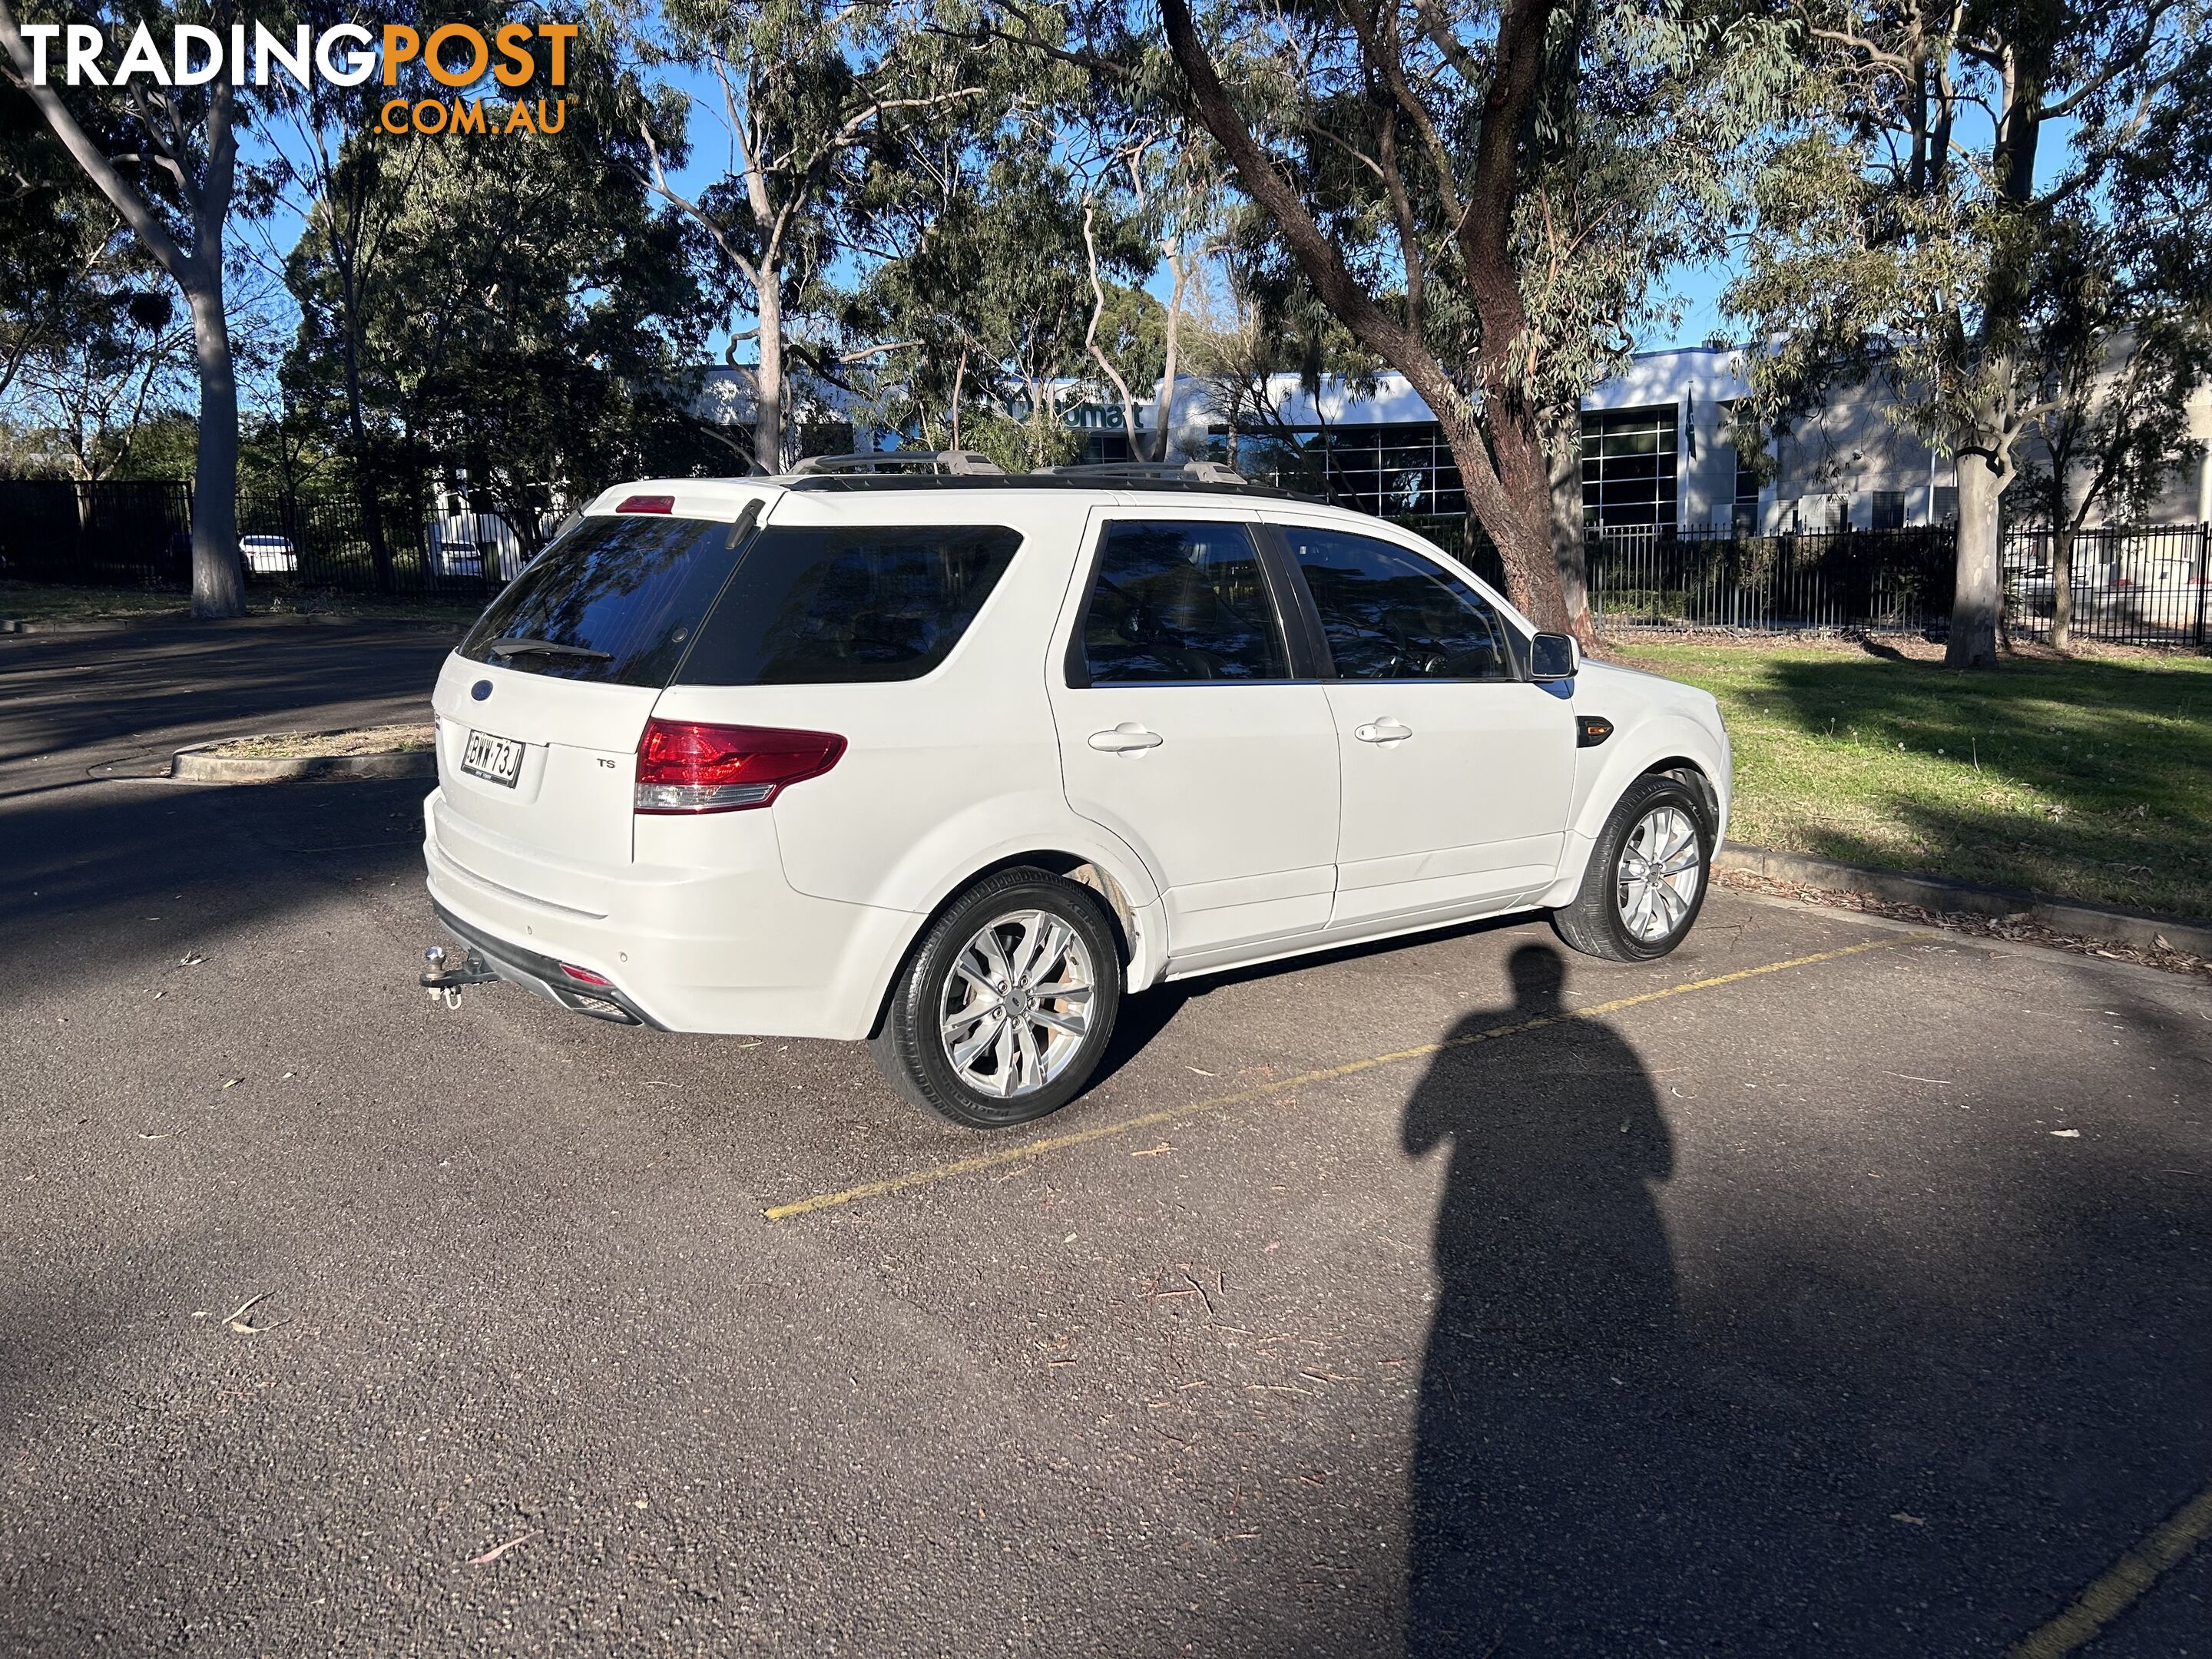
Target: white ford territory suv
x=950 y=762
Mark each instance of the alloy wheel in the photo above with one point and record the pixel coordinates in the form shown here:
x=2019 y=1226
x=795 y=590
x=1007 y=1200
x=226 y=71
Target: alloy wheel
x=1016 y=1004
x=1656 y=880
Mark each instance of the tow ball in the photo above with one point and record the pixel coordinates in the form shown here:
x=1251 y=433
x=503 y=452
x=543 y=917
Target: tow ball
x=445 y=981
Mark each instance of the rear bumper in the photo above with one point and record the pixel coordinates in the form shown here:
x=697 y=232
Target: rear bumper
x=729 y=949
x=543 y=975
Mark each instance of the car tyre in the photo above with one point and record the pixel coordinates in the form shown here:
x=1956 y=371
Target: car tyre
x=1006 y=1004
x=1642 y=892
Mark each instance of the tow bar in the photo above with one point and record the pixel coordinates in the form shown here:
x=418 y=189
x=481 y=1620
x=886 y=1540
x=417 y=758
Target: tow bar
x=442 y=980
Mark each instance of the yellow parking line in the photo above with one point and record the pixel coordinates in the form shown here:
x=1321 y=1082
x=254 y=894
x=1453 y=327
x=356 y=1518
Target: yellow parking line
x=1175 y=1114
x=2168 y=1545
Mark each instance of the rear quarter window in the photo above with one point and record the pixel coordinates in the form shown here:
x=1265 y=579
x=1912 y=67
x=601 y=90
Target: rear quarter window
x=843 y=605
x=617 y=599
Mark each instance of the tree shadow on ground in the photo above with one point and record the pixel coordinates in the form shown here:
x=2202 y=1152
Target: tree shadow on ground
x=2089 y=779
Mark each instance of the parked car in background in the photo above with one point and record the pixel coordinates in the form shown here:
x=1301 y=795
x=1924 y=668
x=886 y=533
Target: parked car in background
x=951 y=763
x=462 y=542
x=269 y=556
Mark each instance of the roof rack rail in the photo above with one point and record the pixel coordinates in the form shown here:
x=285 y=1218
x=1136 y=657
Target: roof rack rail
x=1211 y=472
x=955 y=463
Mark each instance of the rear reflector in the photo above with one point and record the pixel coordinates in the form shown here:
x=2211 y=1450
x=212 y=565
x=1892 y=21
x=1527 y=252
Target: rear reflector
x=646 y=504
x=585 y=975
x=686 y=766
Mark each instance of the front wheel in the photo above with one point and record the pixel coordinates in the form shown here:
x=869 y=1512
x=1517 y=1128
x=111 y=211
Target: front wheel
x=1004 y=1008
x=1647 y=875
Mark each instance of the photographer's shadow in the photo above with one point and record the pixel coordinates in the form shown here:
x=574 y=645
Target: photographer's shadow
x=1539 y=1483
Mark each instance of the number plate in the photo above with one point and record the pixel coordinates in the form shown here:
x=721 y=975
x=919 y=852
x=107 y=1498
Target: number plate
x=499 y=759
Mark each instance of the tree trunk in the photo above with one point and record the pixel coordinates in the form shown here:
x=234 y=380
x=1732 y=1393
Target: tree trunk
x=959 y=387
x=364 y=480
x=2061 y=586
x=1523 y=540
x=768 y=410
x=1570 y=548
x=217 y=587
x=1980 y=592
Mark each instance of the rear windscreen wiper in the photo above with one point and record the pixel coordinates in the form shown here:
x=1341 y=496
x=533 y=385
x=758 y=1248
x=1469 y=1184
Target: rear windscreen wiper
x=518 y=647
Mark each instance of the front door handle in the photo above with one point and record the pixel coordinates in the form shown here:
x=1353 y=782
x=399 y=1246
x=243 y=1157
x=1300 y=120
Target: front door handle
x=1125 y=738
x=1385 y=730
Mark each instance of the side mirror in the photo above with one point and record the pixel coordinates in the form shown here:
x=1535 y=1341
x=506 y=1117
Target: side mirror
x=1553 y=657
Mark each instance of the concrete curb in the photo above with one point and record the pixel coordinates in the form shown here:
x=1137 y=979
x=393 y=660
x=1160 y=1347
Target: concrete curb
x=195 y=765
x=2135 y=927
x=97 y=625
x=293 y=619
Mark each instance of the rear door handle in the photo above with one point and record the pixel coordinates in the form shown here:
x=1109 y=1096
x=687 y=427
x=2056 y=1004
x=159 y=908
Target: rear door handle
x=1385 y=730
x=1124 y=738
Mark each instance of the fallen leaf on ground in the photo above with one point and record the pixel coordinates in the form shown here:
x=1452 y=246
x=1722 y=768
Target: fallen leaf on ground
x=493 y=1554
x=1910 y=1520
x=2066 y=1135
x=232 y=1084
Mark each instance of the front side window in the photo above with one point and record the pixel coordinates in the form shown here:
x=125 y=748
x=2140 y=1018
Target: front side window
x=829 y=606
x=1181 y=601
x=1388 y=615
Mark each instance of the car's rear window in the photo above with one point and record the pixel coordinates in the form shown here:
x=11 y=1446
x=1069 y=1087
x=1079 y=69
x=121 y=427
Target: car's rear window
x=623 y=595
x=813 y=607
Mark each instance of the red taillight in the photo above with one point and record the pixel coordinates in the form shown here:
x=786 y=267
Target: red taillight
x=585 y=975
x=646 y=504
x=685 y=766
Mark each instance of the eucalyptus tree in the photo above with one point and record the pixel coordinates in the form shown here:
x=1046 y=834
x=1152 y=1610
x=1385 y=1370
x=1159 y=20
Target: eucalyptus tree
x=2119 y=337
x=165 y=156
x=96 y=388
x=1432 y=172
x=800 y=89
x=59 y=236
x=1906 y=229
x=982 y=311
x=541 y=356
x=346 y=181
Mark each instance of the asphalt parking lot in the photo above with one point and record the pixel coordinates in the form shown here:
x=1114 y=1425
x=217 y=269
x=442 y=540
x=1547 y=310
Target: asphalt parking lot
x=1828 y=1287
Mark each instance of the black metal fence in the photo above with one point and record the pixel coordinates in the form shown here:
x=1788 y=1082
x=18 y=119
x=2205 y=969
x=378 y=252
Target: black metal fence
x=134 y=534
x=127 y=534
x=2144 y=586
x=1883 y=580
x=323 y=541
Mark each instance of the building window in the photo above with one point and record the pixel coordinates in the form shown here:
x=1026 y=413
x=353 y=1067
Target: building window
x=1744 y=516
x=1628 y=466
x=1885 y=510
x=1400 y=470
x=1945 y=504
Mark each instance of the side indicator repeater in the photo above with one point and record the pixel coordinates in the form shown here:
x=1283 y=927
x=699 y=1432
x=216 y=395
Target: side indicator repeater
x=1591 y=730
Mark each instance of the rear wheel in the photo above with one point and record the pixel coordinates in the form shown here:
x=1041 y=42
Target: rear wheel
x=1005 y=1006
x=1647 y=875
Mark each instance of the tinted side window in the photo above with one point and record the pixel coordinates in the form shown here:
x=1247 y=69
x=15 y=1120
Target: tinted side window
x=1181 y=601
x=624 y=592
x=1390 y=616
x=814 y=607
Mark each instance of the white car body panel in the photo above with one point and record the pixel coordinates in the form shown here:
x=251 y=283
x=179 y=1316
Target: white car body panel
x=1259 y=828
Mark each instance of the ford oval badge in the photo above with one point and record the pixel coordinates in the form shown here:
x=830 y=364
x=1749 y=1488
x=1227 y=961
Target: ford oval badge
x=481 y=689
